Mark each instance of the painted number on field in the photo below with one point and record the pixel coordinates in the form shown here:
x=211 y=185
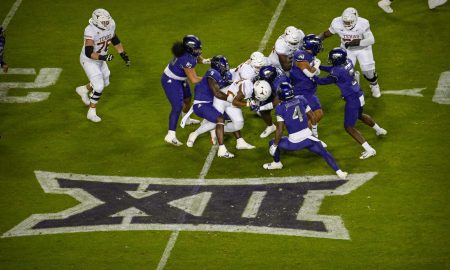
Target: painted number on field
x=274 y=205
x=46 y=77
x=442 y=92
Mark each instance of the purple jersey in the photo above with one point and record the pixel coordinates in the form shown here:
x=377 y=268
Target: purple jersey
x=202 y=90
x=178 y=64
x=303 y=85
x=280 y=78
x=293 y=113
x=344 y=77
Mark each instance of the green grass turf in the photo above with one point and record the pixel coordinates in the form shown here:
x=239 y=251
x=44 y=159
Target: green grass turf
x=398 y=220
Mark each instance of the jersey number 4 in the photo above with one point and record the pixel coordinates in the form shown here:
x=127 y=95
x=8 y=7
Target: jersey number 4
x=297 y=114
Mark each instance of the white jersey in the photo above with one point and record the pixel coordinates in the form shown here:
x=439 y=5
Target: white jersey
x=282 y=48
x=360 y=31
x=101 y=38
x=244 y=72
x=245 y=86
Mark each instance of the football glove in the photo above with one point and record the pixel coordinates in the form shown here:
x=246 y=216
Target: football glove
x=206 y=61
x=107 y=57
x=273 y=149
x=254 y=105
x=125 y=58
x=352 y=43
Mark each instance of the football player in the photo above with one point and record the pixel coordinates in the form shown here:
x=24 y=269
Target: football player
x=293 y=113
x=250 y=68
x=3 y=64
x=274 y=76
x=357 y=38
x=215 y=78
x=342 y=73
x=303 y=72
x=284 y=48
x=175 y=81
x=97 y=36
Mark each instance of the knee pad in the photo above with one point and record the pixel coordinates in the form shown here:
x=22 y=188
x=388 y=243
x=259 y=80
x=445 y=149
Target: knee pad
x=97 y=86
x=370 y=75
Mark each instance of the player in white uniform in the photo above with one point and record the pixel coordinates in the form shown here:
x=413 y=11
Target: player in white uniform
x=250 y=68
x=97 y=36
x=357 y=38
x=284 y=48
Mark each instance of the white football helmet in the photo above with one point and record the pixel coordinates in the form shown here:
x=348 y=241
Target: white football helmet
x=257 y=60
x=262 y=90
x=350 y=18
x=101 y=19
x=292 y=36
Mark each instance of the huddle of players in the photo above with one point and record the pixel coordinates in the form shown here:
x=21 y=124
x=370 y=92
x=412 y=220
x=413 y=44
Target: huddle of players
x=287 y=81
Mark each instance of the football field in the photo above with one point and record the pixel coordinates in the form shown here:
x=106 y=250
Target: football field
x=113 y=195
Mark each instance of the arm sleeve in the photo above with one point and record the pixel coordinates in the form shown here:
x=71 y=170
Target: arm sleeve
x=115 y=40
x=326 y=80
x=369 y=39
x=325 y=68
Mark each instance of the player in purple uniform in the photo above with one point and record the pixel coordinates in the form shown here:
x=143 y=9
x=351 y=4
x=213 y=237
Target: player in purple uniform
x=342 y=73
x=304 y=69
x=3 y=65
x=174 y=81
x=217 y=77
x=274 y=77
x=294 y=112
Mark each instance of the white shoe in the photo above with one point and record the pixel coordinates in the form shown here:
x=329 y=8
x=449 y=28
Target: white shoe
x=273 y=165
x=223 y=152
x=93 y=117
x=191 y=139
x=269 y=130
x=241 y=144
x=380 y=132
x=191 y=121
x=342 y=175
x=435 y=3
x=386 y=6
x=375 y=90
x=213 y=137
x=83 y=92
x=368 y=154
x=172 y=140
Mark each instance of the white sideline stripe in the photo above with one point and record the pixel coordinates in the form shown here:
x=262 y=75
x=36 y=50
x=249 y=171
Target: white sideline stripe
x=11 y=13
x=19 y=71
x=273 y=21
x=212 y=152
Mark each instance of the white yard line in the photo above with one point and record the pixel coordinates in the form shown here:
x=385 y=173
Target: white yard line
x=213 y=151
x=11 y=13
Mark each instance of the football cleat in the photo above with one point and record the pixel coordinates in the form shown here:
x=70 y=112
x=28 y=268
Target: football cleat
x=269 y=130
x=242 y=144
x=273 y=165
x=93 y=117
x=191 y=139
x=342 y=175
x=368 y=154
x=172 y=140
x=191 y=121
x=385 y=5
x=84 y=94
x=375 y=90
x=223 y=152
x=381 y=132
x=435 y=3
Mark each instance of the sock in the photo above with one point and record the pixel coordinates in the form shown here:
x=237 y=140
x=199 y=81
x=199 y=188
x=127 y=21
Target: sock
x=367 y=146
x=171 y=132
x=376 y=127
x=240 y=140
